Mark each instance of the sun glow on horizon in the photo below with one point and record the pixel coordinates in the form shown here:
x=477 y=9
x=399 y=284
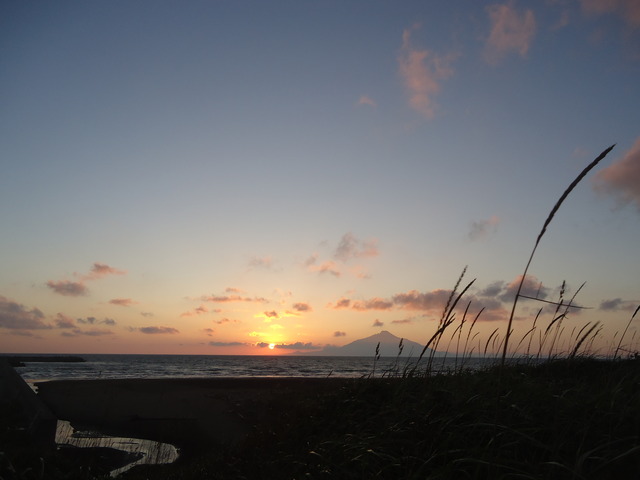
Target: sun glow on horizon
x=272 y=346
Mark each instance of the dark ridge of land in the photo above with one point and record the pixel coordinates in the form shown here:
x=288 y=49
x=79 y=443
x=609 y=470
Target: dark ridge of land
x=20 y=360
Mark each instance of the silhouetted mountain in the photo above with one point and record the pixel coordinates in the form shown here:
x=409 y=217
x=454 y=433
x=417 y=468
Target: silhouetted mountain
x=366 y=347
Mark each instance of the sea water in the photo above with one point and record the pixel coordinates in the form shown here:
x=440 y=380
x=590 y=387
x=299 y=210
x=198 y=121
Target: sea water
x=208 y=366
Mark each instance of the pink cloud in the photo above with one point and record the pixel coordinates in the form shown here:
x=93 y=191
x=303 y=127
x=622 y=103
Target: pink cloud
x=422 y=72
x=511 y=32
x=366 y=100
x=372 y=304
x=99 y=270
x=628 y=10
x=328 y=266
x=123 y=302
x=622 y=178
x=62 y=321
x=68 y=288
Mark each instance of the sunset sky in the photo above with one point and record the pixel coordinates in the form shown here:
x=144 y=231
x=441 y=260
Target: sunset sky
x=211 y=177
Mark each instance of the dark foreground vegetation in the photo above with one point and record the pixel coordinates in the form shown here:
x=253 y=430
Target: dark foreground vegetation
x=576 y=419
x=564 y=419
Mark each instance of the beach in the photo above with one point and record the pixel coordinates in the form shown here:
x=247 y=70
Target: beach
x=195 y=414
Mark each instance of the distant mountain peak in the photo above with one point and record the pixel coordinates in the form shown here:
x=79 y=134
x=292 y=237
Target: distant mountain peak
x=389 y=346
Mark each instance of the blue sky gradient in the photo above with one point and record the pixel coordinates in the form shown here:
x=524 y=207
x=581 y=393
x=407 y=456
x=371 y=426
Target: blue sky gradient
x=191 y=175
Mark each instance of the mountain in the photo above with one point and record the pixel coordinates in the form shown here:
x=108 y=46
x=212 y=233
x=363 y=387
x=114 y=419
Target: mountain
x=366 y=347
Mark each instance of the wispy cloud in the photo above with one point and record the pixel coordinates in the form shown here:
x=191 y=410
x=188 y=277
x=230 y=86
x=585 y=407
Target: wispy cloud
x=366 y=100
x=228 y=344
x=68 y=288
x=339 y=334
x=482 y=228
x=351 y=247
x=123 y=302
x=622 y=178
x=511 y=32
x=95 y=321
x=233 y=298
x=627 y=10
x=290 y=346
x=422 y=72
x=196 y=311
x=95 y=332
x=328 y=266
x=15 y=316
x=261 y=262
x=153 y=330
x=378 y=323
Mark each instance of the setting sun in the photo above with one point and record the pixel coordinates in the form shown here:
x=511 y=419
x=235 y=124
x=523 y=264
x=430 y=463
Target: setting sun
x=272 y=346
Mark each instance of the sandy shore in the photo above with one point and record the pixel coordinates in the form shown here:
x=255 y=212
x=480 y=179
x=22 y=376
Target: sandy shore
x=191 y=413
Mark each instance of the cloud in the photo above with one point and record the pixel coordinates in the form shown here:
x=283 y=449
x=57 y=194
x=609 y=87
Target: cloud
x=616 y=304
x=351 y=247
x=227 y=344
x=532 y=287
x=271 y=314
x=264 y=262
x=415 y=300
x=628 y=10
x=328 y=266
x=290 y=346
x=422 y=72
x=99 y=270
x=222 y=321
x=95 y=321
x=196 y=311
x=404 y=321
x=15 y=316
x=511 y=32
x=302 y=307
x=339 y=334
x=123 y=302
x=68 y=288
x=622 y=178
x=92 y=333
x=158 y=330
x=366 y=100
x=482 y=228
x=62 y=321
x=375 y=303
x=378 y=323
x=233 y=298
x=492 y=290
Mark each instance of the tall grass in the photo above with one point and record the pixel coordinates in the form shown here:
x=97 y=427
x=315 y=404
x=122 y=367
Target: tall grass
x=554 y=210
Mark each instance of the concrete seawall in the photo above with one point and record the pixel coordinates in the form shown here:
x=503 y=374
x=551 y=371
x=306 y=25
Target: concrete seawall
x=34 y=416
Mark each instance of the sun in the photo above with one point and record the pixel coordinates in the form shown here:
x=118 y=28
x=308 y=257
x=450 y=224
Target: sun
x=272 y=346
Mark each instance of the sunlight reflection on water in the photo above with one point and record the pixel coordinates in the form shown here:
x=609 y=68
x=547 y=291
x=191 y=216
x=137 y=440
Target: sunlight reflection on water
x=147 y=452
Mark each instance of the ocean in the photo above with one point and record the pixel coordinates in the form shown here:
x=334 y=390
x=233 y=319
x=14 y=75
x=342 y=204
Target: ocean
x=181 y=366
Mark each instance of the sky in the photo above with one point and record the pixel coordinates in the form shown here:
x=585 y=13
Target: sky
x=248 y=177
